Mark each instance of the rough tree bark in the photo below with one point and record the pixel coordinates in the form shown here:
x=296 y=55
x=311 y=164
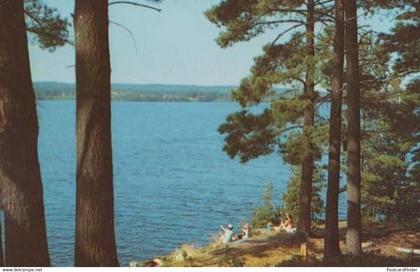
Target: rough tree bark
x=331 y=239
x=95 y=236
x=20 y=178
x=353 y=239
x=1 y=246
x=305 y=194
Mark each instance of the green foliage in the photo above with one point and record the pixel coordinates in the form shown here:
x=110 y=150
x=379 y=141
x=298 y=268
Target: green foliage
x=280 y=64
x=288 y=110
x=279 y=127
x=405 y=37
x=404 y=41
x=290 y=198
x=246 y=19
x=390 y=136
x=299 y=145
x=267 y=211
x=384 y=175
x=49 y=28
x=249 y=135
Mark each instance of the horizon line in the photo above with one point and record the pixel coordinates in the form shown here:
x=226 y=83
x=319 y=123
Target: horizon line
x=165 y=84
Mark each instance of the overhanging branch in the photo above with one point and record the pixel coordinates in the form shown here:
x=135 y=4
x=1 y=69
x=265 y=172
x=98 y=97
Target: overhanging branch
x=128 y=30
x=35 y=19
x=284 y=32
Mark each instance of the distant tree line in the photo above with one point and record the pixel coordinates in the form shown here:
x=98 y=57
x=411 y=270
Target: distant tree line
x=123 y=95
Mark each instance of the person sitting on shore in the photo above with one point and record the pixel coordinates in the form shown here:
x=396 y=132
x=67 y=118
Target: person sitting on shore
x=227 y=235
x=287 y=225
x=246 y=231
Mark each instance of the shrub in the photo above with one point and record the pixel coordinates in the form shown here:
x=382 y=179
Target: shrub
x=267 y=212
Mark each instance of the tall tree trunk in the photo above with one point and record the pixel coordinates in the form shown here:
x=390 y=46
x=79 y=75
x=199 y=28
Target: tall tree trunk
x=20 y=178
x=95 y=236
x=1 y=244
x=353 y=119
x=305 y=195
x=331 y=244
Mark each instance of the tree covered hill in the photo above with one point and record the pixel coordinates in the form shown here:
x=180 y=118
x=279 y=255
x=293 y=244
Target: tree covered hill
x=46 y=90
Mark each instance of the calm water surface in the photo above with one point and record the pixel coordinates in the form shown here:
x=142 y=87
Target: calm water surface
x=173 y=183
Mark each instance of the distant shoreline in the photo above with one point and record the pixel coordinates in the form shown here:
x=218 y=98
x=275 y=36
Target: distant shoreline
x=53 y=99
x=140 y=92
x=138 y=98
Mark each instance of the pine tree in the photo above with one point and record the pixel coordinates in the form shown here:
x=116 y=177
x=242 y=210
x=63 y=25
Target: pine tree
x=21 y=187
x=95 y=235
x=353 y=236
x=251 y=135
x=305 y=193
x=331 y=240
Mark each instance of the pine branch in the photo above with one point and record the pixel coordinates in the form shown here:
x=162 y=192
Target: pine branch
x=301 y=81
x=283 y=33
x=36 y=20
x=386 y=79
x=300 y=11
x=321 y=117
x=291 y=128
x=323 y=2
x=276 y=22
x=327 y=13
x=129 y=32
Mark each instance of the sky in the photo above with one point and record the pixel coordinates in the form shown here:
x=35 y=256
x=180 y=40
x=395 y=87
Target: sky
x=175 y=46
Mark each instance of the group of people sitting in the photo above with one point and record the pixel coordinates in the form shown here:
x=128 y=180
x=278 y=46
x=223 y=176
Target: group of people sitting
x=286 y=225
x=229 y=236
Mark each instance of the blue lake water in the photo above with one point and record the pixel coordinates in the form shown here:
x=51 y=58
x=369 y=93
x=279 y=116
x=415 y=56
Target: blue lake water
x=173 y=183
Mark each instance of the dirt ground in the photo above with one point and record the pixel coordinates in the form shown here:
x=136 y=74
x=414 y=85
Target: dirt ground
x=273 y=248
